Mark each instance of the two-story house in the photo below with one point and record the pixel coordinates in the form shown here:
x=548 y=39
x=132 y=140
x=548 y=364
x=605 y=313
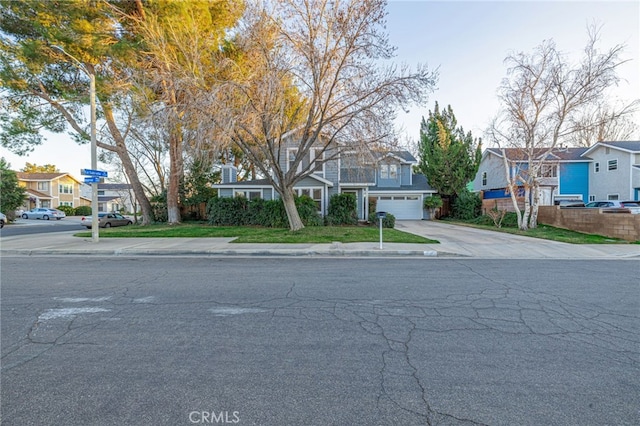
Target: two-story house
x=113 y=197
x=615 y=171
x=51 y=190
x=564 y=174
x=386 y=177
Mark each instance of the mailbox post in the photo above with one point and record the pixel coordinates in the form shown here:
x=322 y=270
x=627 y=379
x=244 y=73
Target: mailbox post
x=381 y=215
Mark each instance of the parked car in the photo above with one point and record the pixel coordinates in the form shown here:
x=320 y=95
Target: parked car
x=3 y=220
x=44 y=213
x=106 y=220
x=569 y=203
x=633 y=206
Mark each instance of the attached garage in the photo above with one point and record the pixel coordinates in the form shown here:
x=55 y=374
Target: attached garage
x=401 y=206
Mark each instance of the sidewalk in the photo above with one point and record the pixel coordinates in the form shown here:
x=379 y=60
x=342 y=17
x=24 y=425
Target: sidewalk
x=455 y=241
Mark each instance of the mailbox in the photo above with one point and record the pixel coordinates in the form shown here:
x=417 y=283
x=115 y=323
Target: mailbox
x=381 y=215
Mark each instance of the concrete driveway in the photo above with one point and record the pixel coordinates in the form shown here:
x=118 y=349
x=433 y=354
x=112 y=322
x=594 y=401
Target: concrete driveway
x=467 y=241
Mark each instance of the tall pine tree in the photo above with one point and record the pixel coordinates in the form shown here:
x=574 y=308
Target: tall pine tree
x=449 y=157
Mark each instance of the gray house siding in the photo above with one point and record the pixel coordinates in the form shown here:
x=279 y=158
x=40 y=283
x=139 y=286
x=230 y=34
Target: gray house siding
x=493 y=166
x=608 y=183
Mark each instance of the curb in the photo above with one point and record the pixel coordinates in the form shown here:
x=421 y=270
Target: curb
x=248 y=252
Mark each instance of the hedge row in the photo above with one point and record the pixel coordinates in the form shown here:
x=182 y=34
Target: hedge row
x=239 y=211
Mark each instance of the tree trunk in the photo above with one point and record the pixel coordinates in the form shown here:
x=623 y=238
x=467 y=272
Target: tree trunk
x=513 y=189
x=533 y=220
x=295 y=223
x=175 y=176
x=524 y=225
x=129 y=168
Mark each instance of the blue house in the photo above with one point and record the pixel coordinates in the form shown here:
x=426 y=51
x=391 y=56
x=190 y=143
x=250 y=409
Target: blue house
x=564 y=174
x=385 y=177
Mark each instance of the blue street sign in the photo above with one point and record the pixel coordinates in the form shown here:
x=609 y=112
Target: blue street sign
x=92 y=179
x=90 y=172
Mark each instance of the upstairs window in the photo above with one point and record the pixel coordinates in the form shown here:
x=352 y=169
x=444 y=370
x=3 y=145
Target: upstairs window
x=549 y=170
x=596 y=167
x=291 y=158
x=484 y=178
x=65 y=189
x=384 y=171
x=393 y=171
x=317 y=159
x=612 y=165
x=43 y=186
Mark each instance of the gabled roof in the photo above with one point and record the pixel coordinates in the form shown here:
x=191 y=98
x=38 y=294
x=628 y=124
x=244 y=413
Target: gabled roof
x=42 y=176
x=37 y=193
x=628 y=146
x=557 y=154
x=402 y=155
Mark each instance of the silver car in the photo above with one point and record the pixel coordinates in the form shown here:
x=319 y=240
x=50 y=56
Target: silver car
x=3 y=220
x=44 y=213
x=632 y=206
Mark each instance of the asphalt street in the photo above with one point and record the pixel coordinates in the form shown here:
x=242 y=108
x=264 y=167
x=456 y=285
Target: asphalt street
x=294 y=341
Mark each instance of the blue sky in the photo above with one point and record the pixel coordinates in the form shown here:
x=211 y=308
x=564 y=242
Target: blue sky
x=468 y=41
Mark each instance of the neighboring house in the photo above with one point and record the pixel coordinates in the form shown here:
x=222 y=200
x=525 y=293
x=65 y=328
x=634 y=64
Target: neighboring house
x=564 y=174
x=387 y=178
x=51 y=190
x=113 y=197
x=615 y=171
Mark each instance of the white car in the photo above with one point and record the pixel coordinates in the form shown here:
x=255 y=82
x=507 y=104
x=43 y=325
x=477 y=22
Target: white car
x=632 y=206
x=44 y=213
x=3 y=220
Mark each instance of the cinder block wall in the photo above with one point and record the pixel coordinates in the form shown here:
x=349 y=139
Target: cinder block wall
x=501 y=204
x=592 y=221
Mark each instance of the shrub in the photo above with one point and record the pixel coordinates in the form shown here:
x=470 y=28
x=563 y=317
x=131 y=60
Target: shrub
x=308 y=211
x=388 y=222
x=466 y=206
x=227 y=211
x=68 y=210
x=238 y=211
x=82 y=211
x=432 y=203
x=343 y=210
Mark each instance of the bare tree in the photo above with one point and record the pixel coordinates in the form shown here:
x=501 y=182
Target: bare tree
x=316 y=80
x=542 y=97
x=605 y=123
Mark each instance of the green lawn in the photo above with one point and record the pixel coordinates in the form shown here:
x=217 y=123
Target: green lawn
x=311 y=234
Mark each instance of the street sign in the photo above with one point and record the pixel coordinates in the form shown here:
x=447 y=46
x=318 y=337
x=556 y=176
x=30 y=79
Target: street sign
x=92 y=179
x=90 y=172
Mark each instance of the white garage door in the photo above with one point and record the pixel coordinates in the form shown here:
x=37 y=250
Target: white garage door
x=401 y=206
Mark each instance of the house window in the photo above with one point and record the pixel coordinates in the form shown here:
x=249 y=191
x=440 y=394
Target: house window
x=65 y=189
x=291 y=158
x=612 y=165
x=596 y=167
x=393 y=171
x=549 y=170
x=612 y=197
x=314 y=193
x=384 y=171
x=484 y=178
x=45 y=204
x=317 y=160
x=43 y=186
x=100 y=192
x=66 y=203
x=592 y=198
x=251 y=195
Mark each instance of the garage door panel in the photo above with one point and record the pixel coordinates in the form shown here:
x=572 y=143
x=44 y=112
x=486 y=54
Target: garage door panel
x=401 y=206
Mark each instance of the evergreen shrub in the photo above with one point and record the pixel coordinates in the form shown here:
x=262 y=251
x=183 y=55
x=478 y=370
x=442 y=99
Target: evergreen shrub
x=343 y=210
